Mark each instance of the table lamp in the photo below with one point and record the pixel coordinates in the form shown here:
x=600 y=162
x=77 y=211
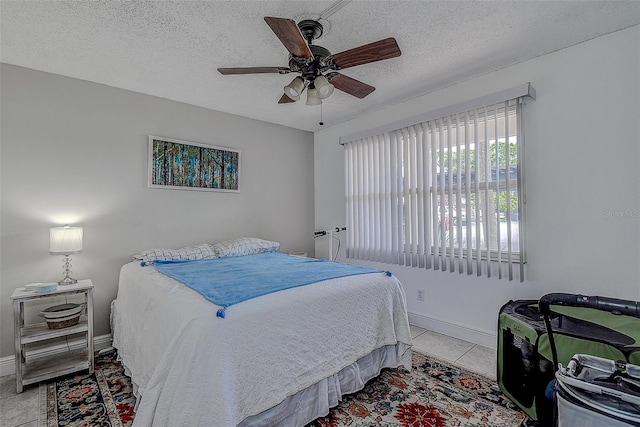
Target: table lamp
x=65 y=241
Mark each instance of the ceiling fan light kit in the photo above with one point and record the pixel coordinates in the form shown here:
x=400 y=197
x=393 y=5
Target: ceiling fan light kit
x=294 y=89
x=316 y=65
x=323 y=87
x=312 y=97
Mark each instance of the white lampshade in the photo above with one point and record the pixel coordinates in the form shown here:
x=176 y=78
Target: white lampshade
x=312 y=97
x=323 y=87
x=65 y=240
x=295 y=88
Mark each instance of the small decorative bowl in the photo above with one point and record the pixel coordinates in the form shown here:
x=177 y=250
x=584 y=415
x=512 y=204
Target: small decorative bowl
x=62 y=316
x=42 y=287
x=62 y=310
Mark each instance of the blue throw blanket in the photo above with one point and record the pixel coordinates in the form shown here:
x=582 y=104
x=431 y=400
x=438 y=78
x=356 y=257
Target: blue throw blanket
x=229 y=281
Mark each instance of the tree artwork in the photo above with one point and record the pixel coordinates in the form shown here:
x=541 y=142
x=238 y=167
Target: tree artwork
x=183 y=165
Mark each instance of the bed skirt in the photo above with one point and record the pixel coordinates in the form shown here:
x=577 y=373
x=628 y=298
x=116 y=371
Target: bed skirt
x=315 y=401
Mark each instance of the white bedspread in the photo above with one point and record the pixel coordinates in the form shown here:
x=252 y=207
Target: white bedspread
x=195 y=369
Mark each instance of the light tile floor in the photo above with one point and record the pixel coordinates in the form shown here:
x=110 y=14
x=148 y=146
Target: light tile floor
x=471 y=356
x=22 y=410
x=19 y=409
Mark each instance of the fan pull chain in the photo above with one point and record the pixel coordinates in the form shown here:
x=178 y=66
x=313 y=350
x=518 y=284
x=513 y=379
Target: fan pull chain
x=321 y=122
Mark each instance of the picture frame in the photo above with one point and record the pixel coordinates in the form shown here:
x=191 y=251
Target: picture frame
x=183 y=165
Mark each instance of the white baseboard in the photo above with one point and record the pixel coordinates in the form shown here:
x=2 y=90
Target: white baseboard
x=456 y=330
x=8 y=363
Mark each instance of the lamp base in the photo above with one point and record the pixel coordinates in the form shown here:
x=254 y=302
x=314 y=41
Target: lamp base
x=66 y=266
x=67 y=281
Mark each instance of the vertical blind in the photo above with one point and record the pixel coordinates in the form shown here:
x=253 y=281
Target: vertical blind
x=446 y=193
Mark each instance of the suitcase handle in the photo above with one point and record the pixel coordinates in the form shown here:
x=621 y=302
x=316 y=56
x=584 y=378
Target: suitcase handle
x=613 y=305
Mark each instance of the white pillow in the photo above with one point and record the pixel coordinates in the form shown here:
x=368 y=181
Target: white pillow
x=195 y=252
x=244 y=246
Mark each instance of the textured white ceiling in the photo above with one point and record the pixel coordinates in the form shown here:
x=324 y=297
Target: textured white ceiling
x=172 y=49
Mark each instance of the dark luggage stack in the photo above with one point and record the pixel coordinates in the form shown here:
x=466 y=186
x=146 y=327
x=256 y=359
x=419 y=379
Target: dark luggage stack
x=525 y=356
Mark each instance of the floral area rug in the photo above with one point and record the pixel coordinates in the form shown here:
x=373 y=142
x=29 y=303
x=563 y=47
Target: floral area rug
x=103 y=399
x=433 y=394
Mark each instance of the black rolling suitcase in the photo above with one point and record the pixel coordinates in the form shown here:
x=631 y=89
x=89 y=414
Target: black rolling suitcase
x=591 y=391
x=525 y=360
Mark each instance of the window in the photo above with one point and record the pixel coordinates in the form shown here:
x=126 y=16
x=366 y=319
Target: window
x=444 y=193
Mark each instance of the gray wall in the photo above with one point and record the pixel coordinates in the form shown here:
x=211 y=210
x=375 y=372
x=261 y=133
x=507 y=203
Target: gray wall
x=76 y=152
x=582 y=181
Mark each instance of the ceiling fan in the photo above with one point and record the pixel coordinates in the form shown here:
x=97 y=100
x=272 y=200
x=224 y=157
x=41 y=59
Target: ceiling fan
x=318 y=68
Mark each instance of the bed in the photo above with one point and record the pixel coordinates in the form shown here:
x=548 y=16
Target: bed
x=283 y=358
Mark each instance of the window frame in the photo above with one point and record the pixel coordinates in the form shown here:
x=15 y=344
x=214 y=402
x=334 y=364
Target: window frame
x=409 y=187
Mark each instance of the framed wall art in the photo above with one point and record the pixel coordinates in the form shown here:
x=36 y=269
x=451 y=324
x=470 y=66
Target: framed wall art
x=183 y=165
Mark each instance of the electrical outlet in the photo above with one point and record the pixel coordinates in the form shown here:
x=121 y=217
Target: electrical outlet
x=420 y=295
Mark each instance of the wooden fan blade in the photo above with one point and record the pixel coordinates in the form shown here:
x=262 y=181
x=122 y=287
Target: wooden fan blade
x=372 y=52
x=284 y=99
x=289 y=34
x=351 y=86
x=253 y=70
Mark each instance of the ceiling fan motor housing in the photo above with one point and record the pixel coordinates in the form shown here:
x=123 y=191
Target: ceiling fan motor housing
x=311 y=68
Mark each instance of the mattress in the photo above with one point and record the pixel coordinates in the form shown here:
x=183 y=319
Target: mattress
x=190 y=367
